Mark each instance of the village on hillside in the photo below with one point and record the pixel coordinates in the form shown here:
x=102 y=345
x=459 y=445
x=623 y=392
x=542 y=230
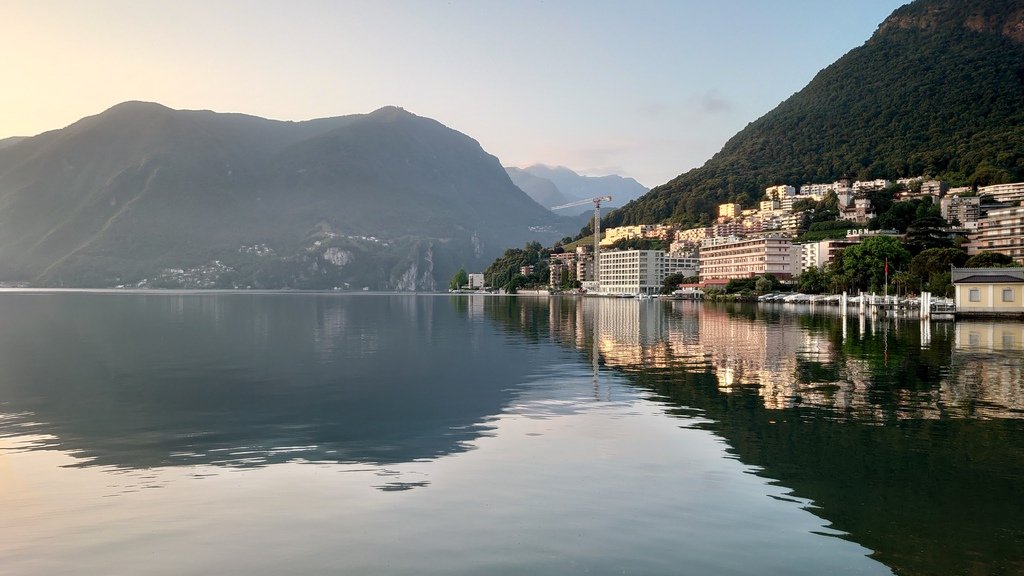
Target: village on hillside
x=794 y=237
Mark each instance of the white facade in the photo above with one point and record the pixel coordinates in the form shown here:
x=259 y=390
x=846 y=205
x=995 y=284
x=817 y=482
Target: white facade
x=476 y=280
x=818 y=254
x=1004 y=192
x=816 y=189
x=867 y=185
x=638 y=271
x=779 y=192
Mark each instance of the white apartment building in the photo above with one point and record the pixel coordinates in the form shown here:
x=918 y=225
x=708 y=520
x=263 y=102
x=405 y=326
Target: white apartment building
x=1004 y=192
x=639 y=271
x=817 y=189
x=736 y=258
x=1000 y=231
x=818 y=254
x=779 y=192
x=868 y=185
x=476 y=280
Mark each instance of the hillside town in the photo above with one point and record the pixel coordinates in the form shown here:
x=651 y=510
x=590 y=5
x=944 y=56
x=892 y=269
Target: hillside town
x=772 y=238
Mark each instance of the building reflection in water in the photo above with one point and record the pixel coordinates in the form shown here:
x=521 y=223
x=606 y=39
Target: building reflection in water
x=988 y=367
x=862 y=367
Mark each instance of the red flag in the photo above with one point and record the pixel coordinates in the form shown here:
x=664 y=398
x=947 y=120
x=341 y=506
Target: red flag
x=886 y=265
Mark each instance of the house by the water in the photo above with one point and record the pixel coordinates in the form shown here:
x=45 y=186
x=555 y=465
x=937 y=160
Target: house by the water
x=989 y=291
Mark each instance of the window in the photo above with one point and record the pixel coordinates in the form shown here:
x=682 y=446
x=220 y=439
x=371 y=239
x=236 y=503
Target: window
x=974 y=295
x=1008 y=295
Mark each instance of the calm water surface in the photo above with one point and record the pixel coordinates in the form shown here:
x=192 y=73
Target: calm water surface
x=181 y=433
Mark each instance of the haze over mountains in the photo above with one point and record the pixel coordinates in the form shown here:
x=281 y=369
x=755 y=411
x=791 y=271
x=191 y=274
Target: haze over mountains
x=938 y=91
x=145 y=195
x=554 y=186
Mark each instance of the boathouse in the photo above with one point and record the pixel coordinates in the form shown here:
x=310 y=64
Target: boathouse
x=989 y=291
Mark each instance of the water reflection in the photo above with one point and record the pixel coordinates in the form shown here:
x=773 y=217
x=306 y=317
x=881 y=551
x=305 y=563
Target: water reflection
x=246 y=380
x=905 y=436
x=863 y=368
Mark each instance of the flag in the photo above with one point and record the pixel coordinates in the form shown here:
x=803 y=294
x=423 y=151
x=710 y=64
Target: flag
x=886 y=266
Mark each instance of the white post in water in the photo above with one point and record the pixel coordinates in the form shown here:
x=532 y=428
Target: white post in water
x=863 y=303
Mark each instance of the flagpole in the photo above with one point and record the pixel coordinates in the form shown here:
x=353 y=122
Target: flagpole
x=886 y=302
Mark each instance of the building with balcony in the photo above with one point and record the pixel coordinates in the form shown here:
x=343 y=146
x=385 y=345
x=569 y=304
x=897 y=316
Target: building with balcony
x=737 y=258
x=965 y=210
x=1000 y=231
x=1011 y=193
x=818 y=254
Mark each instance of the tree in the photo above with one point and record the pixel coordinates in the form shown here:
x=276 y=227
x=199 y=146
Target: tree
x=931 y=267
x=459 y=280
x=671 y=282
x=928 y=232
x=862 y=266
x=813 y=281
x=989 y=260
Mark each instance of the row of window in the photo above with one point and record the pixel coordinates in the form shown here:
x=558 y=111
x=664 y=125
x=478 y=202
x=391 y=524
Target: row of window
x=974 y=295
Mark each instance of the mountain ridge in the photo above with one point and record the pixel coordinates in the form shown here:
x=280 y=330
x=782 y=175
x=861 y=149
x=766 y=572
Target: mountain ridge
x=927 y=94
x=386 y=200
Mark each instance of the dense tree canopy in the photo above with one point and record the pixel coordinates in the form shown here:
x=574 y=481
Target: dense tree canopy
x=942 y=99
x=863 y=266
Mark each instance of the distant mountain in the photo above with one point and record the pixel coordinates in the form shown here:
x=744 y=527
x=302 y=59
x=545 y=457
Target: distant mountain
x=938 y=90
x=5 y=142
x=573 y=186
x=145 y=194
x=542 y=190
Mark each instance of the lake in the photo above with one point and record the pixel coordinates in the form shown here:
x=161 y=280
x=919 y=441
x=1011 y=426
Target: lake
x=304 y=433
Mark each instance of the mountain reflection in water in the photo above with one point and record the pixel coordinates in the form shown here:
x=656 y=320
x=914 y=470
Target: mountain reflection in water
x=135 y=381
x=907 y=436
x=904 y=436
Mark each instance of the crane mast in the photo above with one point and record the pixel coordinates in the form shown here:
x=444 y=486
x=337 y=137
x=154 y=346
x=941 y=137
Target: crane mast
x=597 y=231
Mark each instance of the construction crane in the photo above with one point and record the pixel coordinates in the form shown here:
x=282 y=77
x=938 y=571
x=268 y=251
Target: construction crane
x=597 y=231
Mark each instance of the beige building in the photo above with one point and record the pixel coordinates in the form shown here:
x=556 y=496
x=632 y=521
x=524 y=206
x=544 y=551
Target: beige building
x=730 y=210
x=737 y=258
x=613 y=235
x=1000 y=231
x=989 y=291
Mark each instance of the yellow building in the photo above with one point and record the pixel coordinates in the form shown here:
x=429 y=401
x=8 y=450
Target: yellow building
x=989 y=291
x=730 y=210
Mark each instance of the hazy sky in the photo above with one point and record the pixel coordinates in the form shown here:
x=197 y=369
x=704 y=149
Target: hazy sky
x=647 y=89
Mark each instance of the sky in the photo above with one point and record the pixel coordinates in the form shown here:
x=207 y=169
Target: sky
x=642 y=88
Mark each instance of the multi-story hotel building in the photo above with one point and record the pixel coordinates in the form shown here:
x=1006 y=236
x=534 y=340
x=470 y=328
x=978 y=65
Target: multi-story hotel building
x=1000 y=231
x=964 y=209
x=1004 y=192
x=641 y=271
x=732 y=258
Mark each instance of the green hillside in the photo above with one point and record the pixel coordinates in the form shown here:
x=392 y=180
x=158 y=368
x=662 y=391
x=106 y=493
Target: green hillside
x=938 y=90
